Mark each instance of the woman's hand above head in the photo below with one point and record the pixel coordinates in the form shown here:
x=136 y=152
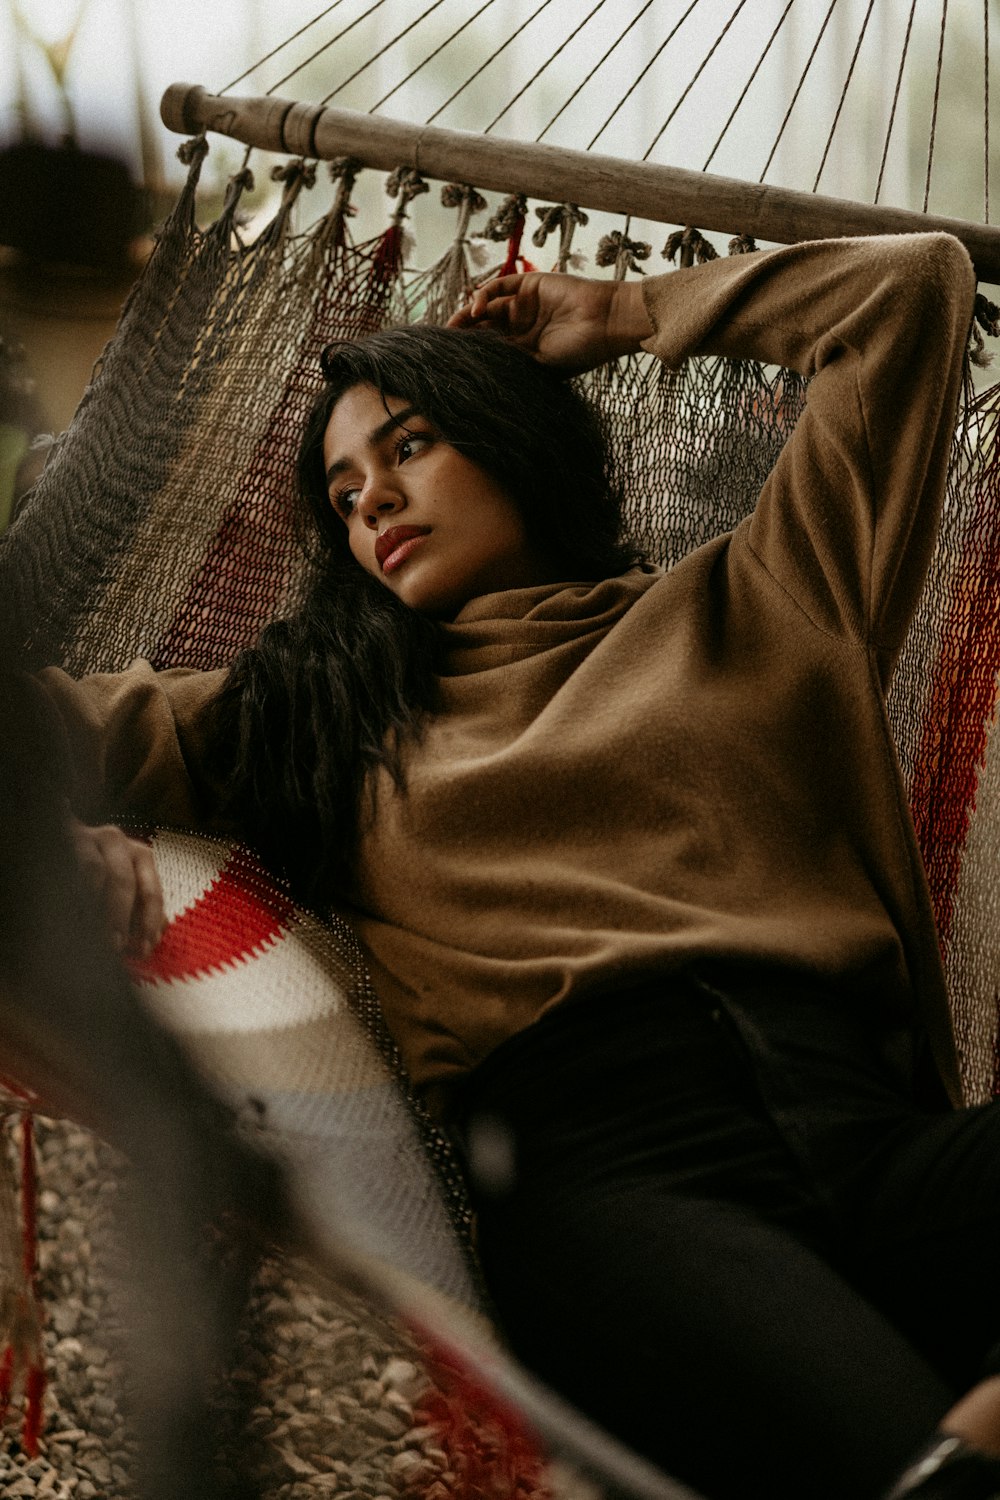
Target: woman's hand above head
x=570 y=322
x=122 y=873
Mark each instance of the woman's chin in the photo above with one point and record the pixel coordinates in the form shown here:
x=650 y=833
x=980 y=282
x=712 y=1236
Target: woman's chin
x=427 y=596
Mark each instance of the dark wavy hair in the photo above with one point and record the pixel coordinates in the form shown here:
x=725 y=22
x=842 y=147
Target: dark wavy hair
x=340 y=688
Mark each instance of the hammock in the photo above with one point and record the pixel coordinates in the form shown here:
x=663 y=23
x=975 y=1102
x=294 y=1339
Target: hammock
x=161 y=526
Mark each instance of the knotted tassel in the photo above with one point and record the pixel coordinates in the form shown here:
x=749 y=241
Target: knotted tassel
x=330 y=240
x=689 y=245
x=616 y=249
x=986 y=315
x=344 y=172
x=508 y=223
x=241 y=182
x=193 y=152
x=562 y=216
x=387 y=261
x=295 y=175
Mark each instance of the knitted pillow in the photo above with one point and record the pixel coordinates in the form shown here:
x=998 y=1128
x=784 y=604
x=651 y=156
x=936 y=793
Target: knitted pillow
x=267 y=1000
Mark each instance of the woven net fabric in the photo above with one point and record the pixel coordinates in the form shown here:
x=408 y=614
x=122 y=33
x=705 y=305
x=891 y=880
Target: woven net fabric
x=163 y=524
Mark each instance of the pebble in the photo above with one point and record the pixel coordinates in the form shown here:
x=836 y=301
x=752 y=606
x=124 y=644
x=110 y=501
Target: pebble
x=388 y=1424
x=63 y=1318
x=396 y=1402
x=297 y=1466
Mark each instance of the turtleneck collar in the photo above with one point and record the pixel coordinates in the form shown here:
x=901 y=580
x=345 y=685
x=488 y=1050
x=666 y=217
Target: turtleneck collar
x=496 y=629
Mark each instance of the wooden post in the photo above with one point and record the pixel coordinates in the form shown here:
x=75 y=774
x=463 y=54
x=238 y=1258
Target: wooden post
x=667 y=195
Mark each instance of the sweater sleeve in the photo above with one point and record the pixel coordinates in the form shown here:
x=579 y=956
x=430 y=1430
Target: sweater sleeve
x=846 y=522
x=134 y=742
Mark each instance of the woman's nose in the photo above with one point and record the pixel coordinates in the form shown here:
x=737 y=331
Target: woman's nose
x=379 y=497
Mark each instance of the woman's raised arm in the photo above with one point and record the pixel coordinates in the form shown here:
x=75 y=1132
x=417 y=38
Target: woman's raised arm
x=846 y=523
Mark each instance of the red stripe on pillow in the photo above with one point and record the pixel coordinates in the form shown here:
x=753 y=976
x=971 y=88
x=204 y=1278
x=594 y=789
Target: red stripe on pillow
x=240 y=913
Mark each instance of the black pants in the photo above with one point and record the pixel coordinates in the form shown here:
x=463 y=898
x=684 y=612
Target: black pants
x=710 y=1214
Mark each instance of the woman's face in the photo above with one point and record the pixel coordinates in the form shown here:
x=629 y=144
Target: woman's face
x=421 y=518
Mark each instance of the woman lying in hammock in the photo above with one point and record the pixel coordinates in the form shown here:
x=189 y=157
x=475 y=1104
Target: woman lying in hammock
x=630 y=856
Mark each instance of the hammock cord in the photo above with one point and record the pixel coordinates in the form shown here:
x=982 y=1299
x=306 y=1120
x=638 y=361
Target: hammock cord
x=377 y=5
x=596 y=68
x=798 y=89
x=895 y=98
x=578 y=29
x=934 y=110
x=434 y=5
x=640 y=76
x=281 y=47
x=492 y=58
x=844 y=92
x=986 y=111
x=431 y=55
x=691 y=83
x=749 y=83
x=546 y=64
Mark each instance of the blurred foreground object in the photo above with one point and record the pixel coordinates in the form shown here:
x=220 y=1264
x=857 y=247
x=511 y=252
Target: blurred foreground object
x=72 y=1032
x=21 y=422
x=70 y=247
x=63 y=206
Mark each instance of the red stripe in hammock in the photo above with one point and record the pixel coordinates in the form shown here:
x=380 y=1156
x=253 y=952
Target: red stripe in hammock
x=245 y=570
x=489 y=1446
x=239 y=914
x=960 y=709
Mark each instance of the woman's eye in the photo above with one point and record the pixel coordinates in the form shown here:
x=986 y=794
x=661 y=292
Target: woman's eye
x=345 y=500
x=411 y=443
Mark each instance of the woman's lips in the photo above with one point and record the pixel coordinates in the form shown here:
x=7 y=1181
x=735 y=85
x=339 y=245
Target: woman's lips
x=394 y=546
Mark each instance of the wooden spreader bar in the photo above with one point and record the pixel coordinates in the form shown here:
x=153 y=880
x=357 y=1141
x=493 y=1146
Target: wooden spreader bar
x=669 y=195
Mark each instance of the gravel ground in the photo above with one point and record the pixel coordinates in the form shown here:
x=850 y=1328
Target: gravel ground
x=337 y=1394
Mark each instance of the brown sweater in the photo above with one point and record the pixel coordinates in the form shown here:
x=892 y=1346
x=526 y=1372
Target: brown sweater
x=629 y=775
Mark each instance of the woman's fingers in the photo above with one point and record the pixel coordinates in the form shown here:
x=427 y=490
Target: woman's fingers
x=148 y=914
x=570 y=322
x=122 y=872
x=508 y=303
x=119 y=885
x=495 y=302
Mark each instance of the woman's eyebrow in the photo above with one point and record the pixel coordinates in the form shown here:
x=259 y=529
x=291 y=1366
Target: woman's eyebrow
x=397 y=419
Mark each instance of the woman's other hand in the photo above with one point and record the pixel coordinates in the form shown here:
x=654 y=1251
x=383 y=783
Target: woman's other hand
x=122 y=873
x=567 y=321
